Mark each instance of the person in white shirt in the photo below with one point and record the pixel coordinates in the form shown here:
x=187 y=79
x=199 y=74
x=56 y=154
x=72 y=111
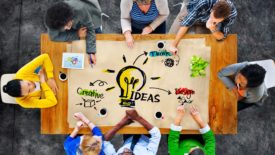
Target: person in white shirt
x=137 y=144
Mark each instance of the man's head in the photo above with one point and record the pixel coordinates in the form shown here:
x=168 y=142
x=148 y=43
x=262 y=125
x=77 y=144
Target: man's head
x=196 y=151
x=126 y=151
x=220 y=11
x=19 y=88
x=250 y=76
x=59 y=16
x=91 y=145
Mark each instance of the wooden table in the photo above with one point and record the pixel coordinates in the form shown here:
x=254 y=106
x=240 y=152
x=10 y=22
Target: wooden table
x=222 y=103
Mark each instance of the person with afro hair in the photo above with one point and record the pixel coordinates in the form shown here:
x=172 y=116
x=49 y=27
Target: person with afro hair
x=246 y=80
x=73 y=20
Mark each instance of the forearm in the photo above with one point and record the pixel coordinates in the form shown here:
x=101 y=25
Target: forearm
x=74 y=133
x=201 y=123
x=177 y=121
x=144 y=123
x=110 y=134
x=182 y=31
x=91 y=125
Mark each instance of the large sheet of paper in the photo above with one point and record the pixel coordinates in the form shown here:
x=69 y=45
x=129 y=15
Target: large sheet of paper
x=144 y=77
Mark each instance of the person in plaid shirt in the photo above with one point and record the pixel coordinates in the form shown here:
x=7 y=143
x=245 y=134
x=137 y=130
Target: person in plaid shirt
x=217 y=15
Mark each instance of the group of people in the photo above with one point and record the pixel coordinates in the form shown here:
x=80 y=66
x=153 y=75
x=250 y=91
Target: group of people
x=35 y=87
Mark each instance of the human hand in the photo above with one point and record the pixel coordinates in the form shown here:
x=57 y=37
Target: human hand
x=211 y=26
x=180 y=111
x=79 y=125
x=82 y=32
x=129 y=39
x=52 y=84
x=147 y=30
x=132 y=114
x=125 y=121
x=173 y=49
x=195 y=114
x=180 y=114
x=81 y=117
x=42 y=76
x=92 y=59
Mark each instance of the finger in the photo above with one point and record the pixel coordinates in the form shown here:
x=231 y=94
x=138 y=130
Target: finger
x=94 y=59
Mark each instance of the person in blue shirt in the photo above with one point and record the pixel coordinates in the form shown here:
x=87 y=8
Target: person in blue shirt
x=85 y=144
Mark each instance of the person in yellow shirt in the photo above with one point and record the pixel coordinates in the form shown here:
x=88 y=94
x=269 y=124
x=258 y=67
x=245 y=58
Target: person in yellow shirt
x=29 y=84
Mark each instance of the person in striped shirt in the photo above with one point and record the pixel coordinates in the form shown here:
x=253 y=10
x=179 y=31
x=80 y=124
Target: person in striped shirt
x=217 y=15
x=143 y=17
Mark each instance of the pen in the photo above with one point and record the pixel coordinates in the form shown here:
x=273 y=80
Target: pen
x=91 y=61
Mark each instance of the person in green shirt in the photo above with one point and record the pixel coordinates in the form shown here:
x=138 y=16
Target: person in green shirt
x=191 y=146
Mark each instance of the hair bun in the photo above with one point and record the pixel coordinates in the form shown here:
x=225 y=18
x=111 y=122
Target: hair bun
x=5 y=88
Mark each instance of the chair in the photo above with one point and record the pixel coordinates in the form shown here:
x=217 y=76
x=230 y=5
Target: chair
x=269 y=66
x=5 y=78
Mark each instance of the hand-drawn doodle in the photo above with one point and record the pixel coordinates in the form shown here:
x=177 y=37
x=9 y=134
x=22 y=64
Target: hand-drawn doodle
x=91 y=93
x=144 y=53
x=198 y=66
x=186 y=95
x=100 y=83
x=168 y=91
x=89 y=103
x=130 y=79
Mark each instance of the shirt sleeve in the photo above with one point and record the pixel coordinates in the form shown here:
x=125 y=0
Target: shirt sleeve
x=228 y=22
x=209 y=140
x=96 y=131
x=154 y=140
x=173 y=139
x=225 y=73
x=62 y=36
x=109 y=148
x=125 y=19
x=29 y=102
x=192 y=16
x=91 y=37
x=162 y=6
x=42 y=60
x=67 y=142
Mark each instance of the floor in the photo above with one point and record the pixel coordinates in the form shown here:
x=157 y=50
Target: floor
x=21 y=23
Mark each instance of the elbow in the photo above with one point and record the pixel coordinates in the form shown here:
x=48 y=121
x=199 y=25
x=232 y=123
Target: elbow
x=220 y=75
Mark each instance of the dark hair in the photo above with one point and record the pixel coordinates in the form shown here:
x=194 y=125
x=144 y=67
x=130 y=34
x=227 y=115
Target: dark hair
x=197 y=151
x=221 y=9
x=13 y=88
x=58 y=15
x=254 y=74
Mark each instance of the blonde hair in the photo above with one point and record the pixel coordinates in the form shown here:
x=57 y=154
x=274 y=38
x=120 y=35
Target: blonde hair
x=90 y=145
x=143 y=1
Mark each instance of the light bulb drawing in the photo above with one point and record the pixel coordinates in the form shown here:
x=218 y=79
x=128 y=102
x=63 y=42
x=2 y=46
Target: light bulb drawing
x=130 y=79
